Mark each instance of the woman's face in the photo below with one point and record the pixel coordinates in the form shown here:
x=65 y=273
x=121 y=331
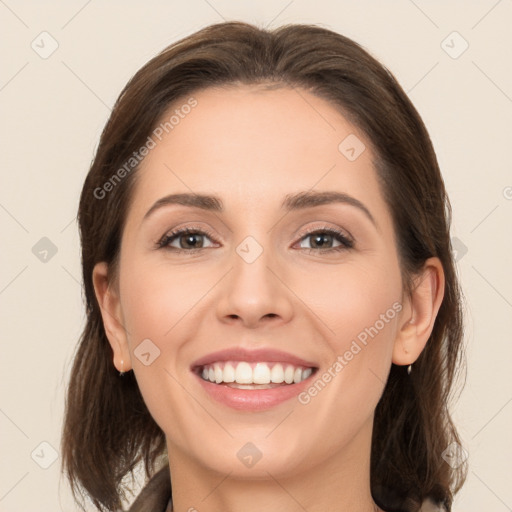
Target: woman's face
x=252 y=279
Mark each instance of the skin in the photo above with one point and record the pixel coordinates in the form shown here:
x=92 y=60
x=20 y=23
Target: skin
x=251 y=147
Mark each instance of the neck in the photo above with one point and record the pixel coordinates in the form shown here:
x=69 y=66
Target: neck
x=340 y=483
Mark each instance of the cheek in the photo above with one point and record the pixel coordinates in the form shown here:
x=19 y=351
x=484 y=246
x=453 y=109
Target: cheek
x=358 y=308
x=350 y=297
x=157 y=299
x=155 y=304
x=365 y=317
x=162 y=307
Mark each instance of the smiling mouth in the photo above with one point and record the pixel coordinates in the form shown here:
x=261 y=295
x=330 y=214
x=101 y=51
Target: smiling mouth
x=254 y=375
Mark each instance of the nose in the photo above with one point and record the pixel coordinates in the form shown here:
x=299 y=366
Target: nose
x=255 y=293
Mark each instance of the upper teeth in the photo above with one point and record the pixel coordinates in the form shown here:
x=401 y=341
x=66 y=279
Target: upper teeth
x=254 y=373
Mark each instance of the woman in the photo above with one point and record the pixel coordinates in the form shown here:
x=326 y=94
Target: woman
x=273 y=314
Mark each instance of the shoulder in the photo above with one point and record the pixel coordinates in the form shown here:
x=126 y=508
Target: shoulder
x=156 y=493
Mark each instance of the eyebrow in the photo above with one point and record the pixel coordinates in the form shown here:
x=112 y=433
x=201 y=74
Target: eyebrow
x=291 y=202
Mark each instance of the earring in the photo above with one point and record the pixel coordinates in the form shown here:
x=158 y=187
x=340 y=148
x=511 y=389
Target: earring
x=121 y=373
x=409 y=368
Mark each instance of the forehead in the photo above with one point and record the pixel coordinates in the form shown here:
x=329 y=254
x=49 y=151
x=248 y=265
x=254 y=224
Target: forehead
x=252 y=145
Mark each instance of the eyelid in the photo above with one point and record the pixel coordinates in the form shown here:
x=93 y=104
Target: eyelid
x=324 y=227
x=346 y=241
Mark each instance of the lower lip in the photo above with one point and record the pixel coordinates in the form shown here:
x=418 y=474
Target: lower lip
x=253 y=399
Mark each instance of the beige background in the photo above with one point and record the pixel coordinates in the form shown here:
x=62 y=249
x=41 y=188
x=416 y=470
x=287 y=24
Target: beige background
x=53 y=110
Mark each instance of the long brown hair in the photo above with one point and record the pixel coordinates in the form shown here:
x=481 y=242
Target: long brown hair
x=108 y=429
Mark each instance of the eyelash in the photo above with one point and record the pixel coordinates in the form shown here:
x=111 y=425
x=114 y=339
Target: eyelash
x=346 y=243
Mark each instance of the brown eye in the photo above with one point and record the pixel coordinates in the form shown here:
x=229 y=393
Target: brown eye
x=187 y=239
x=323 y=240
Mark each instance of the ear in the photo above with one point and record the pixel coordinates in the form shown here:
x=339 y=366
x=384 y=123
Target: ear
x=419 y=314
x=110 y=306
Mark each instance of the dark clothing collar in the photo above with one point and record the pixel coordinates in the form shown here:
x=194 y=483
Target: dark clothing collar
x=156 y=495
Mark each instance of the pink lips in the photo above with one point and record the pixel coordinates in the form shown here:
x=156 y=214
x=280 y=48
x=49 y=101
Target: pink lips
x=252 y=399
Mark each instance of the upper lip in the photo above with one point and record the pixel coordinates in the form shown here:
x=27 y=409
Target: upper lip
x=260 y=354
